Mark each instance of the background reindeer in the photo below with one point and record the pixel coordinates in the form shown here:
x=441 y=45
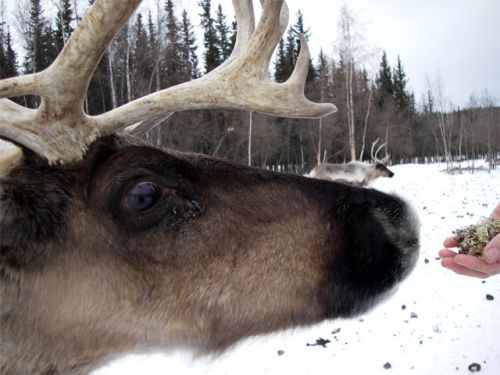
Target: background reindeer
x=109 y=245
x=492 y=161
x=355 y=172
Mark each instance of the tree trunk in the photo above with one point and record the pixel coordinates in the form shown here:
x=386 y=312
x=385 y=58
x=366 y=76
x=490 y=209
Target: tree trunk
x=250 y=123
x=127 y=66
x=158 y=41
x=350 y=110
x=111 y=77
x=365 y=125
x=302 y=159
x=319 y=140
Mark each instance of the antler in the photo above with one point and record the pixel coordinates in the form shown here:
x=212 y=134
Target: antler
x=60 y=130
x=375 y=158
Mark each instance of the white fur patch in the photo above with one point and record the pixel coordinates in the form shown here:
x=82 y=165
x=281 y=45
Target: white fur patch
x=10 y=157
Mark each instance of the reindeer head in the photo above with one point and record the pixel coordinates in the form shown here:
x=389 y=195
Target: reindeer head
x=381 y=169
x=110 y=245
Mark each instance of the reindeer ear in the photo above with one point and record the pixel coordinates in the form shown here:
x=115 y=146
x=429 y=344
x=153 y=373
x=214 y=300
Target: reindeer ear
x=33 y=206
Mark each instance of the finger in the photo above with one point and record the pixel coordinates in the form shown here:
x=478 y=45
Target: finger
x=447 y=253
x=450 y=242
x=450 y=264
x=491 y=253
x=476 y=264
x=496 y=212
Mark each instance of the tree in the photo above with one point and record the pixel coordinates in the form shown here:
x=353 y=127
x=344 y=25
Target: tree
x=211 y=54
x=370 y=89
x=324 y=79
x=280 y=70
x=142 y=59
x=348 y=45
x=188 y=48
x=223 y=37
x=399 y=81
x=8 y=58
x=63 y=28
x=39 y=43
x=384 y=81
x=35 y=48
x=152 y=52
x=173 y=68
x=290 y=53
x=234 y=32
x=442 y=118
x=299 y=28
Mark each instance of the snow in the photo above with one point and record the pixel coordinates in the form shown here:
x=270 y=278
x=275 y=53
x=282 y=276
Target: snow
x=437 y=322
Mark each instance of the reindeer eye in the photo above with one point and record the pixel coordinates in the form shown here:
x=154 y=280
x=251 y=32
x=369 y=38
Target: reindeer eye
x=142 y=197
x=148 y=201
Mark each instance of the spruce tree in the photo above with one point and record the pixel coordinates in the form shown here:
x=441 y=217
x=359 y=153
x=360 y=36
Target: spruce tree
x=401 y=95
x=384 y=82
x=211 y=55
x=39 y=44
x=49 y=46
x=234 y=32
x=173 y=64
x=280 y=71
x=35 y=58
x=323 y=76
x=223 y=38
x=2 y=51
x=8 y=58
x=142 y=64
x=151 y=32
x=188 y=48
x=300 y=29
x=290 y=53
x=152 y=48
x=63 y=28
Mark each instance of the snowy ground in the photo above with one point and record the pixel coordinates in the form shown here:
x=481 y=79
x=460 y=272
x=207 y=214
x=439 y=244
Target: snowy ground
x=436 y=323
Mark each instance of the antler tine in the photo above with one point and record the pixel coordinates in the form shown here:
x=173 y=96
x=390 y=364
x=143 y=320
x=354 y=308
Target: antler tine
x=375 y=158
x=241 y=83
x=385 y=160
x=245 y=27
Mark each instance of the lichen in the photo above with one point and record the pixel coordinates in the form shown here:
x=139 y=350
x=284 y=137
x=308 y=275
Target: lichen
x=473 y=238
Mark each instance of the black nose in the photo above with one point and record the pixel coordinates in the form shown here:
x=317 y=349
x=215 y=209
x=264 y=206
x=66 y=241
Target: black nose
x=391 y=174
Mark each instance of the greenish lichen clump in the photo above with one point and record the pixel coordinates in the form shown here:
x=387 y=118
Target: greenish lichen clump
x=473 y=238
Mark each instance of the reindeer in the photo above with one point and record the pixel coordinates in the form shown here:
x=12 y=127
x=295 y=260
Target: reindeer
x=355 y=172
x=492 y=161
x=109 y=245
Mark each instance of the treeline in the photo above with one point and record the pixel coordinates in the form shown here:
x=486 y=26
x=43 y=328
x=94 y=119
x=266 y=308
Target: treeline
x=156 y=50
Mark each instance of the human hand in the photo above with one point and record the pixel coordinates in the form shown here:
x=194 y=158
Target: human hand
x=469 y=265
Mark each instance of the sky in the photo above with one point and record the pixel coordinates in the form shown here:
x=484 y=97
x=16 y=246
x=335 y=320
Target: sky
x=459 y=40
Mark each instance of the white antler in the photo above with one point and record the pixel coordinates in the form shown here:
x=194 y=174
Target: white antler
x=60 y=130
x=375 y=158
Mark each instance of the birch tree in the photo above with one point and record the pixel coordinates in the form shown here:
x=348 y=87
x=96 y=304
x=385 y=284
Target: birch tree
x=352 y=48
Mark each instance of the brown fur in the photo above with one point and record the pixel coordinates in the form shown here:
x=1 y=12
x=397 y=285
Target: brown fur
x=255 y=252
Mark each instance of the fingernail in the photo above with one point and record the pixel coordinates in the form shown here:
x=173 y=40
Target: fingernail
x=491 y=255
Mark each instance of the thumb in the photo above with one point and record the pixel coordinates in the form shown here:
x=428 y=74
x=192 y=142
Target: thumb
x=491 y=253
